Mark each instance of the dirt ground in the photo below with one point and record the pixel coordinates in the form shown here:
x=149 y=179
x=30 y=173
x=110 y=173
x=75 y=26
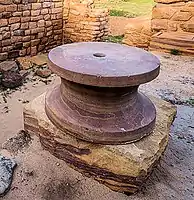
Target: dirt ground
x=41 y=176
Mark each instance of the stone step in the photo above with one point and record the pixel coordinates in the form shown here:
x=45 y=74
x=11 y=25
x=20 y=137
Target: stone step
x=168 y=41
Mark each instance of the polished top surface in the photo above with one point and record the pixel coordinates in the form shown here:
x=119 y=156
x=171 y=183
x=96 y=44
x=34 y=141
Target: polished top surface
x=102 y=64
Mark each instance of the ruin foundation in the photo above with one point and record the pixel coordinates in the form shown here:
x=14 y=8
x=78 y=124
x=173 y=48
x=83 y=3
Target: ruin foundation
x=123 y=168
x=29 y=27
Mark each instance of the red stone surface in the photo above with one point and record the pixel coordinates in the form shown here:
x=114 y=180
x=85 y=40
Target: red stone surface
x=98 y=99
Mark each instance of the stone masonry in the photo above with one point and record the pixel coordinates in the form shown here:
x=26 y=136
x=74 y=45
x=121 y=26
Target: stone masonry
x=29 y=26
x=173 y=16
x=83 y=22
x=171 y=28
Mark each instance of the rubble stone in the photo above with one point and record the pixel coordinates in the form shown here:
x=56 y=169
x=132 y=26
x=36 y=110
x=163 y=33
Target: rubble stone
x=7 y=167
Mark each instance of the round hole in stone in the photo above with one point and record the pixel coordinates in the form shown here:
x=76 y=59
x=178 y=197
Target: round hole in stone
x=99 y=55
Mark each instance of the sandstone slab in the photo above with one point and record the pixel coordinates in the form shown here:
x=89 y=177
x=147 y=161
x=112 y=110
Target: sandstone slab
x=39 y=60
x=24 y=63
x=183 y=42
x=123 y=168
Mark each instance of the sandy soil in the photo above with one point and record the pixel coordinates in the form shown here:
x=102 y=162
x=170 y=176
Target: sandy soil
x=41 y=176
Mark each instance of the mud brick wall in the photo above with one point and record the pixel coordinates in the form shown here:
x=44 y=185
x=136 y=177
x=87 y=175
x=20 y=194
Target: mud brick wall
x=173 y=15
x=29 y=26
x=82 y=22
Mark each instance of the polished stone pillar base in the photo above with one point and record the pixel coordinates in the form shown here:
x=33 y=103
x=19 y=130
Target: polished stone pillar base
x=122 y=168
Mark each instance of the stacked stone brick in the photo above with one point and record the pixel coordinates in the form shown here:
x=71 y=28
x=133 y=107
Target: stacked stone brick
x=173 y=26
x=173 y=15
x=83 y=22
x=29 y=26
x=138 y=33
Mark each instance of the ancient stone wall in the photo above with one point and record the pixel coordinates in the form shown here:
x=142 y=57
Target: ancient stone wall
x=82 y=22
x=173 y=15
x=138 y=33
x=29 y=26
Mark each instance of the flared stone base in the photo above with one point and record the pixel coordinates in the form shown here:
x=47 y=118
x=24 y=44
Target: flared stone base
x=123 y=168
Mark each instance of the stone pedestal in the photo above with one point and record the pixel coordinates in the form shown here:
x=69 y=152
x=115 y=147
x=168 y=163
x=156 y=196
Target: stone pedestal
x=123 y=168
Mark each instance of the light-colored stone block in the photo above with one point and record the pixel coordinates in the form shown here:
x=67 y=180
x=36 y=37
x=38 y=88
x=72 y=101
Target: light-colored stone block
x=122 y=168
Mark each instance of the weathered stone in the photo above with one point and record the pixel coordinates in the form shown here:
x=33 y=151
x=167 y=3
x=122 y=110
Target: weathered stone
x=182 y=16
x=47 y=4
x=33 y=51
x=163 y=12
x=7 y=167
x=26 y=13
x=32 y=25
x=15 y=26
x=6 y=15
x=188 y=27
x=41 y=35
x=11 y=8
x=44 y=11
x=35 y=12
x=172 y=26
x=19 y=33
x=40 y=59
x=7 y=49
x=35 y=42
x=19 y=141
x=22 y=52
x=14 y=20
x=12 y=79
x=123 y=168
x=44 y=73
x=25 y=19
x=24 y=26
x=37 y=30
x=3 y=22
x=159 y=24
x=36 y=6
x=6 y=42
x=183 y=42
x=3 y=56
x=41 y=23
x=8 y=66
x=24 y=63
x=5 y=2
x=13 y=54
x=17 y=14
x=138 y=33
x=6 y=35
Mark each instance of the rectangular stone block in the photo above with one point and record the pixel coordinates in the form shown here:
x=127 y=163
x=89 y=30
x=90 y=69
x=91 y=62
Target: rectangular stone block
x=44 y=11
x=123 y=168
x=26 y=13
x=3 y=56
x=11 y=8
x=14 y=20
x=32 y=25
x=182 y=16
x=35 y=12
x=15 y=26
x=24 y=26
x=3 y=22
x=163 y=12
x=36 y=6
x=159 y=24
x=25 y=19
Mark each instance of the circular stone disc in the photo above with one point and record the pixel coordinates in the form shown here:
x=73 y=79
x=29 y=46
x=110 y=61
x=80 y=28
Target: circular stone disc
x=103 y=64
